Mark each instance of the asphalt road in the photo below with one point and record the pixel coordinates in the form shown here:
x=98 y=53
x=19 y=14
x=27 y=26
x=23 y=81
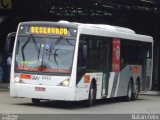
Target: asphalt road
x=145 y=105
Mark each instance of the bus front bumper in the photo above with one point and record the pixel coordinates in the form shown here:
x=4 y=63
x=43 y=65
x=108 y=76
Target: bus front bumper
x=42 y=92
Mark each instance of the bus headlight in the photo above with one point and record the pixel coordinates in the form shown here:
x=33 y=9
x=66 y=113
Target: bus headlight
x=17 y=79
x=64 y=83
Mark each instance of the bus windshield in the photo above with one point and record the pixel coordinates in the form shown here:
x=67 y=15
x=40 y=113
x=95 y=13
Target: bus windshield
x=42 y=53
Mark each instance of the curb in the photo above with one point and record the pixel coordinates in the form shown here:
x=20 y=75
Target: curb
x=4 y=90
x=4 y=86
x=156 y=93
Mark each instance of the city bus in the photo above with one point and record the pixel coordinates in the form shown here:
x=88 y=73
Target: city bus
x=71 y=61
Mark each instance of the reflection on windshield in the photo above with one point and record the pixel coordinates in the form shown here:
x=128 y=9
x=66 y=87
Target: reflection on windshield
x=44 y=54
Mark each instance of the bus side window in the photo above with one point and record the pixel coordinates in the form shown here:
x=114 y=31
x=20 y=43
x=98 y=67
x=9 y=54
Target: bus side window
x=82 y=55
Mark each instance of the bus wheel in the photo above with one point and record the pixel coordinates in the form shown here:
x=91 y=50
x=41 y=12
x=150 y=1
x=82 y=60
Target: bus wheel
x=129 y=91
x=92 y=96
x=135 y=94
x=35 y=101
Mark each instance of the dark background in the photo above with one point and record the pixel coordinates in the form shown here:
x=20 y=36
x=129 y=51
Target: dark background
x=143 y=16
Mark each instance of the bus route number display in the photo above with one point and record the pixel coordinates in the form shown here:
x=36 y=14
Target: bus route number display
x=49 y=30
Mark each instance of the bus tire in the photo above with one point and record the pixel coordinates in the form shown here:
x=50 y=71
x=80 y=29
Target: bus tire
x=92 y=96
x=35 y=101
x=129 y=91
x=136 y=91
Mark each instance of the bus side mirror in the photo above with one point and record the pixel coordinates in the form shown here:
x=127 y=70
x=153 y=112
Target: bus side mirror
x=1 y=61
x=9 y=40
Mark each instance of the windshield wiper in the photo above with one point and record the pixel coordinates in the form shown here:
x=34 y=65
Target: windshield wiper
x=55 y=57
x=55 y=50
x=22 y=49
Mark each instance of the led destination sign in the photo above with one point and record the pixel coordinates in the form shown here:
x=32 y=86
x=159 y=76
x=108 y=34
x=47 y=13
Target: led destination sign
x=49 y=30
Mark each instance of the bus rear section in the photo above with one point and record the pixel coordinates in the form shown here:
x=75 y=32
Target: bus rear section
x=42 y=62
x=110 y=66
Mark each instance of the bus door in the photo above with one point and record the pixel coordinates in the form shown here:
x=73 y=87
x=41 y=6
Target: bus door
x=147 y=71
x=146 y=85
x=146 y=66
x=105 y=67
x=148 y=74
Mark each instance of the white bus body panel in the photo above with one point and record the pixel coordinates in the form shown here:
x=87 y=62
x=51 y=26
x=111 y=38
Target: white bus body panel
x=52 y=88
x=82 y=90
x=118 y=83
x=123 y=79
x=51 y=92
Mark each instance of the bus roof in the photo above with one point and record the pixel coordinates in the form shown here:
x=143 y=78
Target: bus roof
x=99 y=30
x=113 y=31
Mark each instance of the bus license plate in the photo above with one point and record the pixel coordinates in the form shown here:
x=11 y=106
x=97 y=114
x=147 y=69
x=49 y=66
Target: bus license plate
x=40 y=89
